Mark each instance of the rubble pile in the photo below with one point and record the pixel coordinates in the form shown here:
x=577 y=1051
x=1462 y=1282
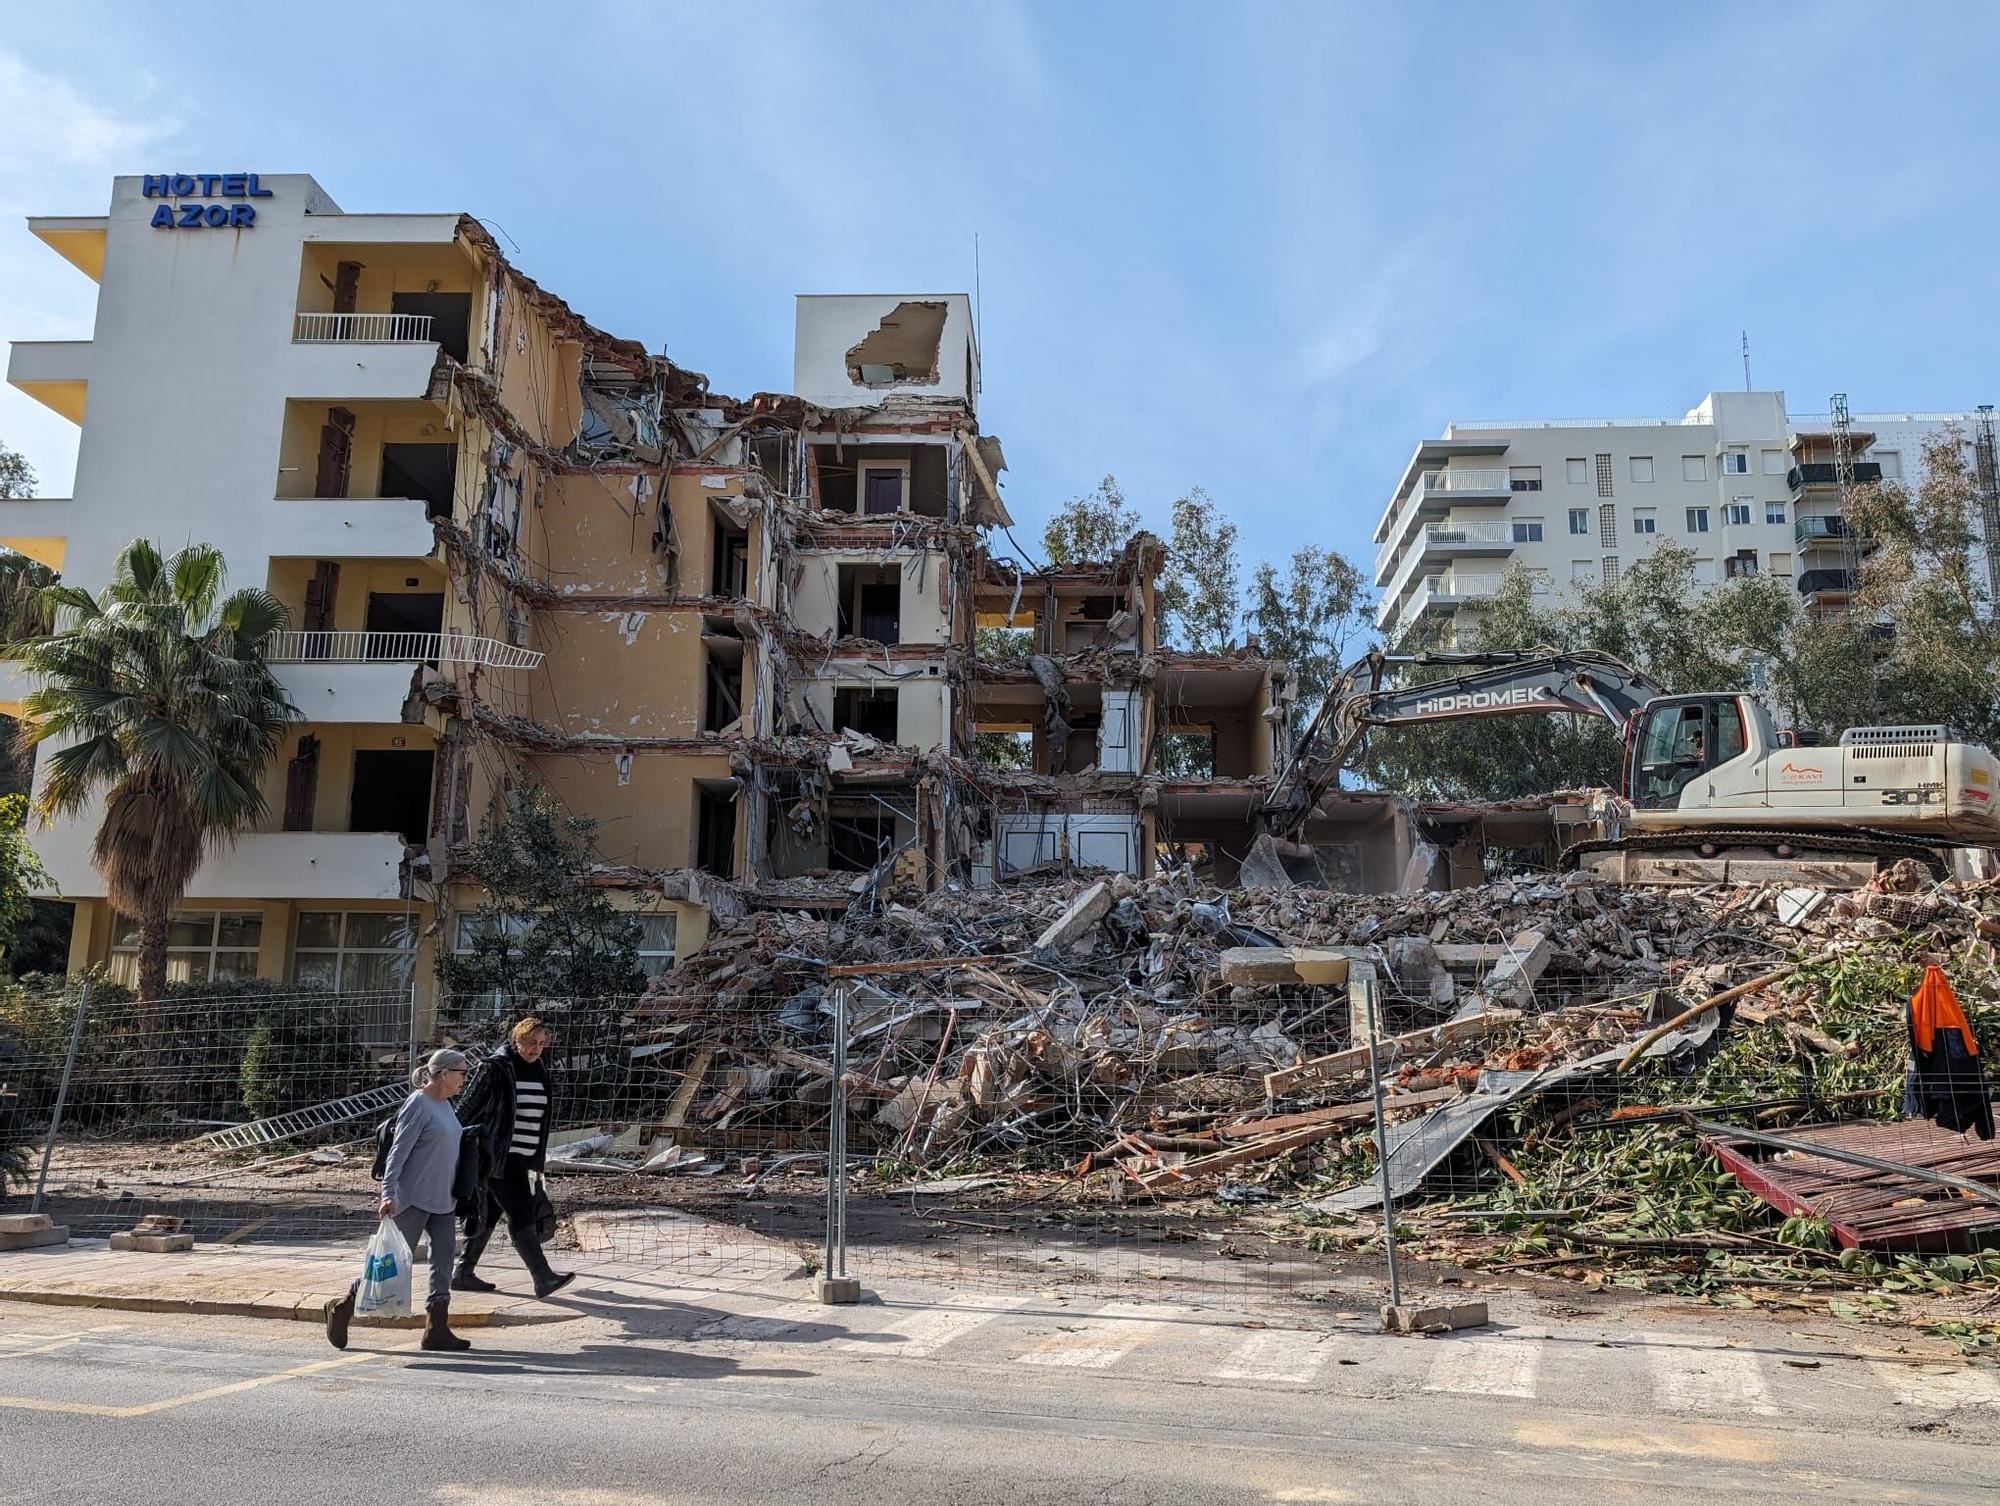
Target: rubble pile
x=1185 y=1039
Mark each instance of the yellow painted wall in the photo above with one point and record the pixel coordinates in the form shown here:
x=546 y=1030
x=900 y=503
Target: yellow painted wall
x=338 y=743
x=358 y=580
x=375 y=424
x=648 y=821
x=385 y=270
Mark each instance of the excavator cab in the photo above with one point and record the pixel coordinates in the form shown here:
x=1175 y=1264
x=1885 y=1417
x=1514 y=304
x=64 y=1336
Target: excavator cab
x=1677 y=738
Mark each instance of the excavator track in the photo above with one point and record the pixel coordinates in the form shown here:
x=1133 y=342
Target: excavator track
x=1888 y=847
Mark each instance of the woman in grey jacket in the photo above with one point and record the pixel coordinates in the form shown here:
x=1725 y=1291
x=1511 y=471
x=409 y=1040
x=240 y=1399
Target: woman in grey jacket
x=417 y=1193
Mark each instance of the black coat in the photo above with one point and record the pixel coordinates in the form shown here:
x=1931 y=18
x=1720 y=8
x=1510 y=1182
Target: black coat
x=486 y=1108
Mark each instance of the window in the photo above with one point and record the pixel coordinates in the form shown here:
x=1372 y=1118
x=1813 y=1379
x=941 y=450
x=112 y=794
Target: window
x=1739 y=514
x=1577 y=469
x=1728 y=731
x=1607 y=526
x=1736 y=462
x=1697 y=518
x=1579 y=520
x=1774 y=512
x=1742 y=563
x=1891 y=462
x=1781 y=564
x=1645 y=521
x=1603 y=475
x=1527 y=530
x=1704 y=570
x=1610 y=569
x=655 y=950
x=203 y=946
x=1538 y=581
x=355 y=951
x=1642 y=467
x=1774 y=462
x=1694 y=468
x=656 y=943
x=1582 y=570
x=1524 y=478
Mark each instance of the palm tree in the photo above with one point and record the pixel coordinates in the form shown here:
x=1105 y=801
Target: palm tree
x=160 y=704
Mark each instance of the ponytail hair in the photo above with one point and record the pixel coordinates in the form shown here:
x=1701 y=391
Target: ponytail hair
x=444 y=1059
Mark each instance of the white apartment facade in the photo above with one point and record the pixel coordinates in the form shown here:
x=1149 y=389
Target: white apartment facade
x=1749 y=488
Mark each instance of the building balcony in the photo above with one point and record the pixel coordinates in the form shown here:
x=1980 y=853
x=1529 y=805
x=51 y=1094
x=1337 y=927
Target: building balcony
x=1433 y=492
x=1814 y=584
x=362 y=329
x=399 y=648
x=348 y=527
x=55 y=373
x=319 y=865
x=1435 y=593
x=1439 y=541
x=1825 y=473
x=358 y=370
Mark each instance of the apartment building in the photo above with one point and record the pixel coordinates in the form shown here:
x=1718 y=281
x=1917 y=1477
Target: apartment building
x=742 y=634
x=1745 y=485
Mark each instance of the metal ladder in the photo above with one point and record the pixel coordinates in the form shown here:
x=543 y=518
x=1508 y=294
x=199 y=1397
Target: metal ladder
x=300 y=1121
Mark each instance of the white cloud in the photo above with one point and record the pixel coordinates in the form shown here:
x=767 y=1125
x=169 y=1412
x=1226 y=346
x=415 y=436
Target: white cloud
x=63 y=150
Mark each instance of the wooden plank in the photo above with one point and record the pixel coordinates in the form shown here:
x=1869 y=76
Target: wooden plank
x=683 y=1100
x=1353 y=1062
x=1342 y=1113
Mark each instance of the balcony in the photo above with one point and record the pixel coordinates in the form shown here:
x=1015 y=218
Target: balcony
x=399 y=648
x=350 y=528
x=334 y=369
x=1815 y=583
x=322 y=865
x=1440 y=592
x=1437 y=541
x=362 y=329
x=1823 y=473
x=1444 y=488
x=55 y=373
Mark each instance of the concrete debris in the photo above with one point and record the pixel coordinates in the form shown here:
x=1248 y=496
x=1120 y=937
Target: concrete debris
x=1183 y=1040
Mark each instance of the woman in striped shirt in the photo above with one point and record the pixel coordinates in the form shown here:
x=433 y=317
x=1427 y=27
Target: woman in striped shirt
x=510 y=1105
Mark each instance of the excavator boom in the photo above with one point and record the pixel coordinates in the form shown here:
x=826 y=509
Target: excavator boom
x=1582 y=682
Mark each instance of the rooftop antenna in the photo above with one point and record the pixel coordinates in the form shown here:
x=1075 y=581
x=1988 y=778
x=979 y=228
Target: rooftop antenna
x=1746 y=360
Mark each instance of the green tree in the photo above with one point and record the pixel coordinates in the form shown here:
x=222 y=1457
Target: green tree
x=1092 y=528
x=26 y=607
x=543 y=930
x=21 y=874
x=1200 y=596
x=1311 y=617
x=163 y=717
x=17 y=477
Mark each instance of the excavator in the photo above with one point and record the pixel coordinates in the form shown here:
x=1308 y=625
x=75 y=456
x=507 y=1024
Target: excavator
x=1711 y=790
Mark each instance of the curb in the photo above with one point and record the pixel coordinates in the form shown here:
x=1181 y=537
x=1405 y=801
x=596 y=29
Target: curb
x=306 y=1309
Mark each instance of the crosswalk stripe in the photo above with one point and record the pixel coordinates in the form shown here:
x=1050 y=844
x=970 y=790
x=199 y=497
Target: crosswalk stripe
x=1277 y=1355
x=1485 y=1367
x=1113 y=1332
x=1693 y=1373
x=1939 y=1389
x=927 y=1330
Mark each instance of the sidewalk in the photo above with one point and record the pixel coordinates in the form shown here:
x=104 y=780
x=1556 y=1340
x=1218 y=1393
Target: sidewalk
x=235 y=1281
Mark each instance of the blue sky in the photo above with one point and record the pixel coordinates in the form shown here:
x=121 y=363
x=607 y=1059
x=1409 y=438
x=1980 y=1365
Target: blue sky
x=1261 y=249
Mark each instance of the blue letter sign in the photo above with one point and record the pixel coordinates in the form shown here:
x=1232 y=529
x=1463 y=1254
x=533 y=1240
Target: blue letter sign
x=203 y=186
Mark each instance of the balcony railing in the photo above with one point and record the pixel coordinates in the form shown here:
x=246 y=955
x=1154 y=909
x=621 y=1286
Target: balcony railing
x=1819 y=530
x=1466 y=481
x=1467 y=535
x=363 y=329
x=399 y=648
x=1815 y=582
x=1822 y=473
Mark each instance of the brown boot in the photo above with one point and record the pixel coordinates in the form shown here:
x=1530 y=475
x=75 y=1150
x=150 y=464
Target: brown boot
x=339 y=1313
x=437 y=1331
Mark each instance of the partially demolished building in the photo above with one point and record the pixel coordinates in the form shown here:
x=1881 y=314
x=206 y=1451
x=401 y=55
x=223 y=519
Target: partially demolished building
x=766 y=643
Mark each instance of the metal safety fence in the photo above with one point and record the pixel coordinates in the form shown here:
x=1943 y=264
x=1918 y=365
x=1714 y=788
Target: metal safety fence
x=1763 y=1130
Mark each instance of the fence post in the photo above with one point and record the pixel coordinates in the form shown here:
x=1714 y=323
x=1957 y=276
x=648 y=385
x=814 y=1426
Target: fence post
x=413 y=1021
x=1364 y=980
x=62 y=1096
x=835 y=1285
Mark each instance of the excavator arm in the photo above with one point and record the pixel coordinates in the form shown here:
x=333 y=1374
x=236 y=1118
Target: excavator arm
x=1507 y=683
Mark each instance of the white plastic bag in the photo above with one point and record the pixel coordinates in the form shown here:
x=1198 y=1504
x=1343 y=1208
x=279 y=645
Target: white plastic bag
x=385 y=1279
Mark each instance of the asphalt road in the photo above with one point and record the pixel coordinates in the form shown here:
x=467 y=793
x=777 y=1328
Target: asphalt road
x=713 y=1397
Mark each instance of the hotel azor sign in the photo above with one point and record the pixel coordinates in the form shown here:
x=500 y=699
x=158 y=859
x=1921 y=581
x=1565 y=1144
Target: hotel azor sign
x=206 y=190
